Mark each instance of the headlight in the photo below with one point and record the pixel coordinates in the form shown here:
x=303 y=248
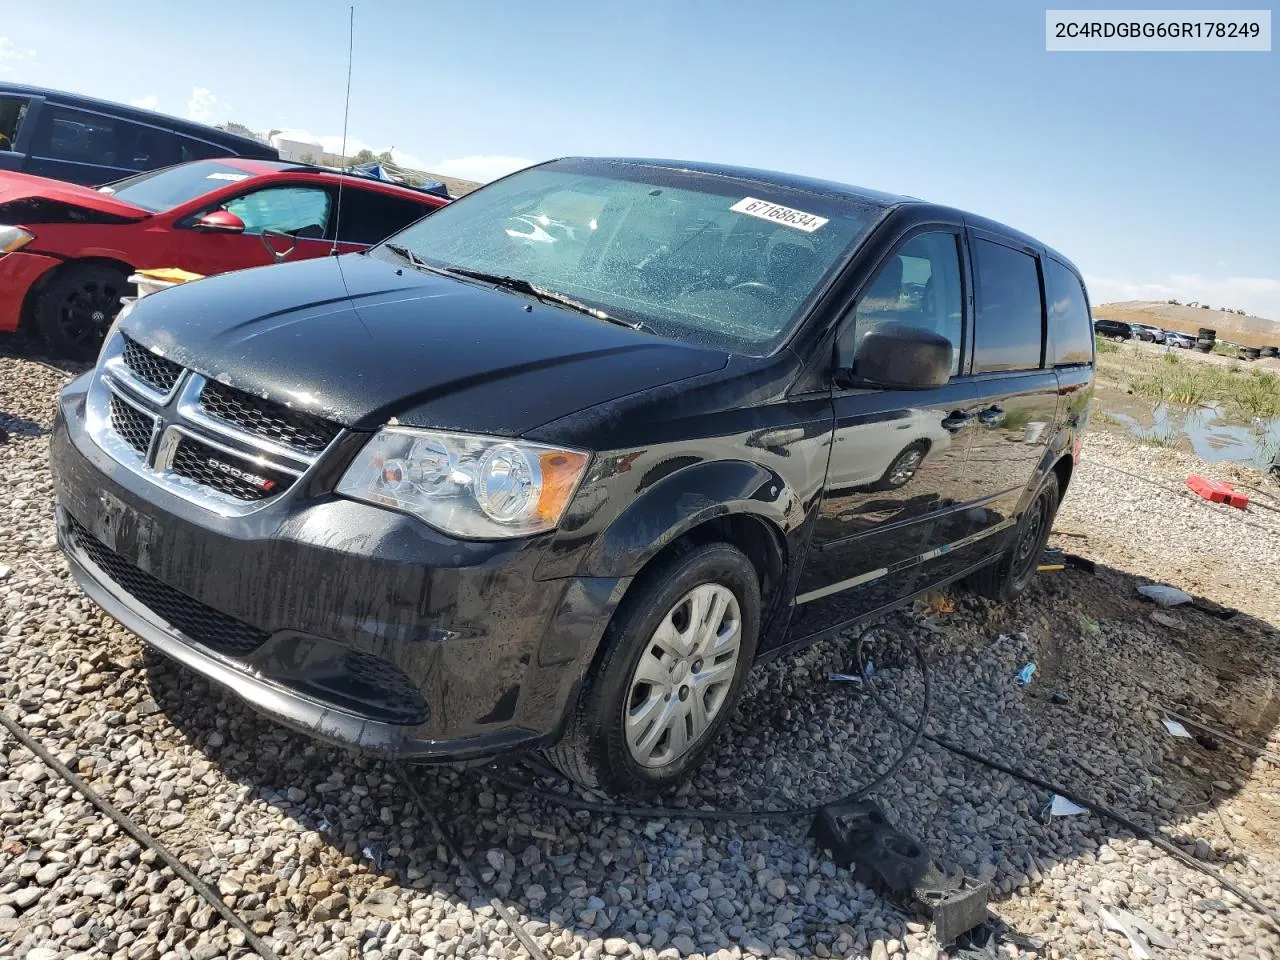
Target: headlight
x=13 y=238
x=472 y=487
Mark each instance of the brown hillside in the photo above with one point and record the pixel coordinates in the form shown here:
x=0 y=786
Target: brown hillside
x=1239 y=328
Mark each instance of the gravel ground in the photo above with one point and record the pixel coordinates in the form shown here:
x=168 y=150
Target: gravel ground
x=325 y=855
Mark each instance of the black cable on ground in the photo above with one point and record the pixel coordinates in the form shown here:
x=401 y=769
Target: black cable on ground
x=130 y=827
x=1151 y=836
x=455 y=850
x=747 y=815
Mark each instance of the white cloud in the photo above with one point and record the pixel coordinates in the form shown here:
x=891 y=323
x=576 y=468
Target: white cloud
x=12 y=59
x=482 y=167
x=1258 y=295
x=149 y=102
x=207 y=108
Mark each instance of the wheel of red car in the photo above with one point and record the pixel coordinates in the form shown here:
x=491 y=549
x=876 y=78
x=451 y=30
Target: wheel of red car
x=75 y=310
x=675 y=656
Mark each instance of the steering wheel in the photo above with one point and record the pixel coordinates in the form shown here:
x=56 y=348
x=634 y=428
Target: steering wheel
x=756 y=287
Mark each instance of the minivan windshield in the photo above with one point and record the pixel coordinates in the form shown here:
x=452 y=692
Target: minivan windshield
x=171 y=187
x=715 y=260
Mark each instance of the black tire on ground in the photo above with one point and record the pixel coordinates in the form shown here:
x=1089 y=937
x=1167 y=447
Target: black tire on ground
x=1269 y=352
x=903 y=467
x=1207 y=334
x=1204 y=346
x=75 y=310
x=594 y=750
x=1009 y=576
x=1252 y=353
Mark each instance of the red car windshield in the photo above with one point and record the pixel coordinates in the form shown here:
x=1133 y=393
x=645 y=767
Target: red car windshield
x=165 y=189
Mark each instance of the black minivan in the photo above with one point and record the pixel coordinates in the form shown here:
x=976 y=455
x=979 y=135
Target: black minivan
x=67 y=136
x=554 y=467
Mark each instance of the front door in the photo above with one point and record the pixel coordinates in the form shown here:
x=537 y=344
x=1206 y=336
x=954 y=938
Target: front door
x=898 y=457
x=301 y=213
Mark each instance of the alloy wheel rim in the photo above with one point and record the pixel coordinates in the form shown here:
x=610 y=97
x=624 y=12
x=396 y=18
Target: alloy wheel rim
x=906 y=468
x=682 y=680
x=88 y=310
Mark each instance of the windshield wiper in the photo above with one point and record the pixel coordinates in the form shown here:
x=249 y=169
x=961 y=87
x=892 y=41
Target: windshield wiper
x=405 y=253
x=520 y=285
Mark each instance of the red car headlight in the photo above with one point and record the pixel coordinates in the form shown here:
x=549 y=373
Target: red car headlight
x=13 y=238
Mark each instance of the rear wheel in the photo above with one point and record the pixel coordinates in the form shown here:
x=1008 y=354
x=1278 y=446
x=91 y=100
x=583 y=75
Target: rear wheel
x=1008 y=577
x=675 y=656
x=75 y=310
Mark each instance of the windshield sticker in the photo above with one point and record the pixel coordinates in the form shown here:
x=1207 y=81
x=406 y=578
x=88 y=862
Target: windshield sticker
x=233 y=177
x=777 y=213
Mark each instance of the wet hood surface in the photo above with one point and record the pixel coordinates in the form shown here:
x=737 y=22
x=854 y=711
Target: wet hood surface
x=360 y=340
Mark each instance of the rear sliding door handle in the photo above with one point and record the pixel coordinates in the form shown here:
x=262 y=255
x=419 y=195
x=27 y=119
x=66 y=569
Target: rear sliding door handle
x=957 y=420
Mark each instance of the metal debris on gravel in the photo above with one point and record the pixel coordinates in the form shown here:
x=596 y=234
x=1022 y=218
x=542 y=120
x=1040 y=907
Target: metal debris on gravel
x=323 y=853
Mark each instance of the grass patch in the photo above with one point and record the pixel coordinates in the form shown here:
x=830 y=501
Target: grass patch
x=1106 y=346
x=1101 y=416
x=1168 y=378
x=1225 y=351
x=1163 y=438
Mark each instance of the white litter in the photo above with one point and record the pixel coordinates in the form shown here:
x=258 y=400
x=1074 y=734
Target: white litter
x=1164 y=594
x=1121 y=921
x=1175 y=728
x=1062 y=807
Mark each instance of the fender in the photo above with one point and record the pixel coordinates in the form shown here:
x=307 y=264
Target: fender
x=685 y=499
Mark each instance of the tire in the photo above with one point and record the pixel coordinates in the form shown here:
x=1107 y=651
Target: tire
x=1117 y=338
x=1207 y=334
x=596 y=750
x=75 y=310
x=910 y=458
x=1008 y=577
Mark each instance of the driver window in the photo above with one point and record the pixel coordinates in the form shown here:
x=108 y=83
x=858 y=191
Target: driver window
x=918 y=286
x=299 y=211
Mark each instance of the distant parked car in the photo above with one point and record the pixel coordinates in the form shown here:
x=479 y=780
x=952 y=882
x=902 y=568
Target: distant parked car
x=1113 y=329
x=69 y=137
x=66 y=252
x=1145 y=331
x=1183 y=341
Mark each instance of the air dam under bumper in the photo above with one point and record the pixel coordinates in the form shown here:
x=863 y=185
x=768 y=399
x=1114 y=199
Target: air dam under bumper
x=357 y=625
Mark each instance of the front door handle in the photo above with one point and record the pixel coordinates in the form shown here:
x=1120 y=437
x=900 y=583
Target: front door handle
x=957 y=420
x=992 y=416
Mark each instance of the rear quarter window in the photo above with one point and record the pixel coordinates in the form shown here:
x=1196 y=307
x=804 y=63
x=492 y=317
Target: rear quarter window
x=1070 y=327
x=1009 y=332
x=369 y=216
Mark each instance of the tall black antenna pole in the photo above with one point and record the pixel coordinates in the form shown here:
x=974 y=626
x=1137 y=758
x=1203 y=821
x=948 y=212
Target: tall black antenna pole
x=346 y=112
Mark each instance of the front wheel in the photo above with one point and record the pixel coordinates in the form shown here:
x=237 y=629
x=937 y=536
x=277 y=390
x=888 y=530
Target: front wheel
x=77 y=307
x=1008 y=577
x=674 y=660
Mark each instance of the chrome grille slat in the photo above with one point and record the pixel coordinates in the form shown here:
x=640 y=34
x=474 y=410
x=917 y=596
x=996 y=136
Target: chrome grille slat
x=231 y=456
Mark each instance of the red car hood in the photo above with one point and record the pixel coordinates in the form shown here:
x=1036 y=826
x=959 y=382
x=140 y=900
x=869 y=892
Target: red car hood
x=22 y=186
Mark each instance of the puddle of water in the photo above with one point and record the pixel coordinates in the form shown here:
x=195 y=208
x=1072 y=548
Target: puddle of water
x=1208 y=430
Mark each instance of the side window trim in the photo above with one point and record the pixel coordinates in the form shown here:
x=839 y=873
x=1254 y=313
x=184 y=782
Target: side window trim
x=1036 y=254
x=966 y=288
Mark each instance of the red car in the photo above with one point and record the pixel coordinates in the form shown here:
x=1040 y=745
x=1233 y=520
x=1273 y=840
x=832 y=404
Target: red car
x=66 y=252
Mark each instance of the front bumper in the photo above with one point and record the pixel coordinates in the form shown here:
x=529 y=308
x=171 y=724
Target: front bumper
x=18 y=271
x=355 y=624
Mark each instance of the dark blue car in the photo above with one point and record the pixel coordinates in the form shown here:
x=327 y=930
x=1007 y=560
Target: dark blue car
x=69 y=137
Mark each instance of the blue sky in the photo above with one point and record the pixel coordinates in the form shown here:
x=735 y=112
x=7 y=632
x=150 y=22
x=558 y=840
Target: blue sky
x=1158 y=173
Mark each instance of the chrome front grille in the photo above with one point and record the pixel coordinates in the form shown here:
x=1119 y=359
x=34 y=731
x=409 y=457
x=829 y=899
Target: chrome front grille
x=208 y=443
x=267 y=419
x=159 y=373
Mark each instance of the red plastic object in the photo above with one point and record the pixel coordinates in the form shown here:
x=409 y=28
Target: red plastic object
x=1217 y=491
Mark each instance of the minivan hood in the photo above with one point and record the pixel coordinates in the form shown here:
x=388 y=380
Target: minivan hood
x=55 y=194
x=360 y=340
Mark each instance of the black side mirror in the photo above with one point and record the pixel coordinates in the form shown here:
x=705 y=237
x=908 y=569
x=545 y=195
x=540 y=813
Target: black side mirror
x=900 y=357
